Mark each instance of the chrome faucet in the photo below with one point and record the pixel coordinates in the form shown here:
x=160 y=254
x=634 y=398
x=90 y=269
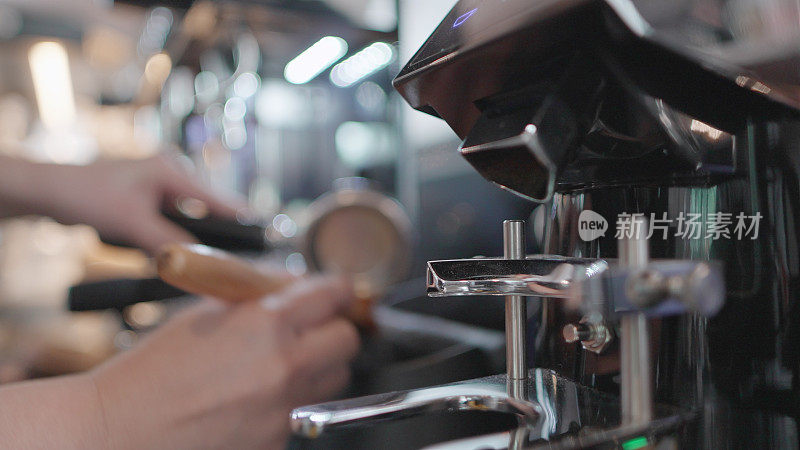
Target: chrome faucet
x=546 y=404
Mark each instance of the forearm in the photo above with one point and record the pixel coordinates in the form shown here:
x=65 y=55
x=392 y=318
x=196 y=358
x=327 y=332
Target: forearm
x=62 y=412
x=26 y=187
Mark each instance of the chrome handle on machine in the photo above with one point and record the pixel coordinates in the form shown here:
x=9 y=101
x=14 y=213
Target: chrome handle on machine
x=594 y=286
x=476 y=395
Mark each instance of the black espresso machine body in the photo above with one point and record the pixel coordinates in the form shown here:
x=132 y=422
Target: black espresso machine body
x=683 y=112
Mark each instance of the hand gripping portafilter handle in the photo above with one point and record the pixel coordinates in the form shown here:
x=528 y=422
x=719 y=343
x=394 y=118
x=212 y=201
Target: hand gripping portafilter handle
x=204 y=270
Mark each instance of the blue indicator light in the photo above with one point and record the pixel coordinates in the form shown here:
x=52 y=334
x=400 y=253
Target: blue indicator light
x=464 y=17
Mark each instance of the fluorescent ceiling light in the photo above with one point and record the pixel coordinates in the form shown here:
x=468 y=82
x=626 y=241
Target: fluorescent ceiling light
x=362 y=64
x=315 y=59
x=52 y=83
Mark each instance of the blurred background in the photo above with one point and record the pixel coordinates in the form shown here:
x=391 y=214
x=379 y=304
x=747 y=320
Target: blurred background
x=273 y=99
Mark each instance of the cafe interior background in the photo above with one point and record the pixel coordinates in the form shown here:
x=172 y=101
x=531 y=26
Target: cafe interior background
x=288 y=101
x=275 y=100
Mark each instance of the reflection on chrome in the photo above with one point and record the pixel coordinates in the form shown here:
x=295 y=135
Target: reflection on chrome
x=537 y=276
x=556 y=410
x=586 y=284
x=483 y=394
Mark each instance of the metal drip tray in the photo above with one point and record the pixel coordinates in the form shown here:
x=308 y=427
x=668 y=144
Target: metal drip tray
x=537 y=276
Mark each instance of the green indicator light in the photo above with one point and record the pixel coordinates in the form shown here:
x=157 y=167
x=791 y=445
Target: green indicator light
x=635 y=443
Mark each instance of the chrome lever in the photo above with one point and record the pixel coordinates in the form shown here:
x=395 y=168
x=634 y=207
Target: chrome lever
x=661 y=288
x=482 y=394
x=555 y=406
x=533 y=276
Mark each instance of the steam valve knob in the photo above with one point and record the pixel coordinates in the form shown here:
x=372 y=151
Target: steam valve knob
x=573 y=333
x=595 y=337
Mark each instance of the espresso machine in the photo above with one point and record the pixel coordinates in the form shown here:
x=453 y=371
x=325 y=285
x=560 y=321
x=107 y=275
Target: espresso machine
x=662 y=140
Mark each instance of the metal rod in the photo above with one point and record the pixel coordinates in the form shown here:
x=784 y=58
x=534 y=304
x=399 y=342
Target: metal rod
x=516 y=315
x=636 y=378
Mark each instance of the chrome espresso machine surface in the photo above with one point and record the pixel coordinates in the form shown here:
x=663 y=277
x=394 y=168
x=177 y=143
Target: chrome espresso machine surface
x=663 y=141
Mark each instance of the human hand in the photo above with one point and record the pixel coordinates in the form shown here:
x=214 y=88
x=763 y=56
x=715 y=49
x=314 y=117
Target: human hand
x=123 y=200
x=228 y=377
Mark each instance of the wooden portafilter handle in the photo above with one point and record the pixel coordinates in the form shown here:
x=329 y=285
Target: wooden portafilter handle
x=204 y=270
